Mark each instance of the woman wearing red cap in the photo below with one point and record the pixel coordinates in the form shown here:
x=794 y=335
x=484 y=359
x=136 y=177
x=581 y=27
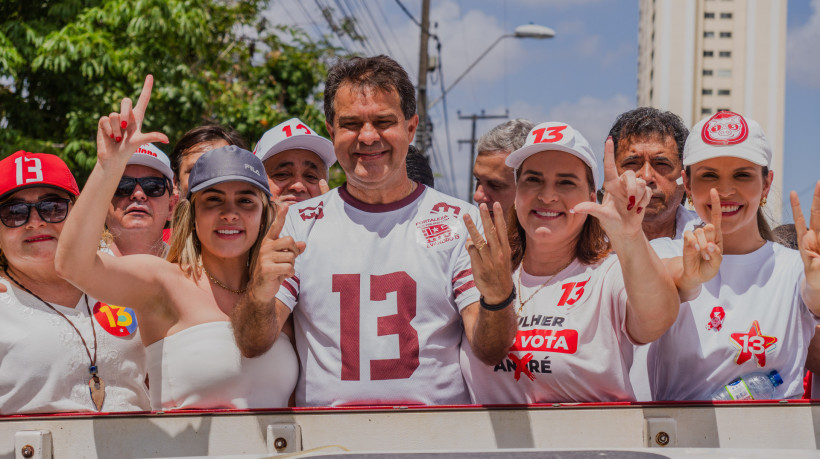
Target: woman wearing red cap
x=58 y=349
x=756 y=314
x=222 y=232
x=580 y=308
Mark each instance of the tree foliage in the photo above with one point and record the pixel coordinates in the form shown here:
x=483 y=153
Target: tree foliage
x=63 y=64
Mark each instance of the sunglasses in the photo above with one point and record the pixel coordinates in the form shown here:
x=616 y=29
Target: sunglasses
x=153 y=187
x=50 y=210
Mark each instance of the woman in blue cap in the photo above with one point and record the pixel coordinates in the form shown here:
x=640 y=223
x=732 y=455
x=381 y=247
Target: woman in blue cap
x=183 y=304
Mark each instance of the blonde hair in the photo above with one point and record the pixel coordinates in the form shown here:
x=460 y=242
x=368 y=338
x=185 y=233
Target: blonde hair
x=186 y=249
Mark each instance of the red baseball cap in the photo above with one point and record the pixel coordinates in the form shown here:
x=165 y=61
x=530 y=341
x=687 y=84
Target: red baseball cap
x=26 y=170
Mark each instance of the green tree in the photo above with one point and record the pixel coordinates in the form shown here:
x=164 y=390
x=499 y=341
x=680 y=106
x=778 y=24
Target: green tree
x=63 y=64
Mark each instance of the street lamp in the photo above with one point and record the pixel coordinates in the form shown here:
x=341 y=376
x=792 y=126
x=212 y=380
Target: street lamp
x=523 y=31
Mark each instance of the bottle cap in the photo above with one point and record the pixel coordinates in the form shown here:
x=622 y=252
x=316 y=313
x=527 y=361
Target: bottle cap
x=774 y=376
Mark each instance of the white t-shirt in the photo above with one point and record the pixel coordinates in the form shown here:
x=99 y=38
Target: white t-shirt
x=685 y=220
x=571 y=345
x=201 y=368
x=44 y=365
x=377 y=298
x=749 y=318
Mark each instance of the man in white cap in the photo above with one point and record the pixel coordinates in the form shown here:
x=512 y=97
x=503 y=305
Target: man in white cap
x=297 y=161
x=142 y=204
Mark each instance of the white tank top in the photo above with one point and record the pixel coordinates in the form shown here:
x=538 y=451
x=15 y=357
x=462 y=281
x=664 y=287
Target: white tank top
x=201 y=368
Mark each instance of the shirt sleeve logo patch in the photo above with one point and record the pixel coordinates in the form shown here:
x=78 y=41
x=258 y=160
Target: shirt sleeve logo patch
x=116 y=320
x=316 y=212
x=716 y=319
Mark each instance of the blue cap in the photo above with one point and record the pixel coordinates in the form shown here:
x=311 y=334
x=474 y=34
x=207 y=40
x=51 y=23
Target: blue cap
x=227 y=164
x=774 y=376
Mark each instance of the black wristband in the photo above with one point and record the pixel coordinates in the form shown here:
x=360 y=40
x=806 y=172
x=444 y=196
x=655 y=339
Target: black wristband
x=499 y=306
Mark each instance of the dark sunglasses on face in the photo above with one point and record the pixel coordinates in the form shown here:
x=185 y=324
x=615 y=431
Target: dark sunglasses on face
x=153 y=187
x=50 y=210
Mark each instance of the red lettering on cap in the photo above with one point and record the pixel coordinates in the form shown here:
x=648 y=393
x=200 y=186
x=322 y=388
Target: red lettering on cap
x=553 y=134
x=146 y=152
x=725 y=128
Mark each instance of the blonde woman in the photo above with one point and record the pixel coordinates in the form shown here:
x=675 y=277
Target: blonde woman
x=183 y=304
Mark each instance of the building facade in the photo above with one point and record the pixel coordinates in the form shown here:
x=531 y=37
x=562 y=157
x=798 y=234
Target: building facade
x=696 y=57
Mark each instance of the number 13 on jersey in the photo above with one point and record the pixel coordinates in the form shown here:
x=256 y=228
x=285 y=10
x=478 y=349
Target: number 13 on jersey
x=348 y=286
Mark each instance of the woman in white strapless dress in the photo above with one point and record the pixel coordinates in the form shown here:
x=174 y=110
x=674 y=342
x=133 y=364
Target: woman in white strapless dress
x=224 y=230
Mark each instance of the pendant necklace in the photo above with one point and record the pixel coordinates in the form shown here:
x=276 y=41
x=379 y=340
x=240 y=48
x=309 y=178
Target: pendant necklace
x=521 y=300
x=96 y=385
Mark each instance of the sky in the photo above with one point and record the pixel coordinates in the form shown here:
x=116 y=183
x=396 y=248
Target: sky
x=586 y=75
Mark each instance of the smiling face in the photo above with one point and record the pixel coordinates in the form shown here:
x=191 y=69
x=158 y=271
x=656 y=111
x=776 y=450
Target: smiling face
x=371 y=137
x=740 y=184
x=550 y=183
x=32 y=245
x=228 y=217
x=137 y=211
x=293 y=175
x=657 y=162
x=494 y=180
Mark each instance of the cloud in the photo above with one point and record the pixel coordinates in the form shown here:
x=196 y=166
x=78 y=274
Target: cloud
x=558 y=3
x=802 y=43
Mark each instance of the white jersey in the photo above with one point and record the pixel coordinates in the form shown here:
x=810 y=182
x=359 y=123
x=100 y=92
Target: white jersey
x=377 y=298
x=750 y=317
x=44 y=367
x=685 y=220
x=571 y=345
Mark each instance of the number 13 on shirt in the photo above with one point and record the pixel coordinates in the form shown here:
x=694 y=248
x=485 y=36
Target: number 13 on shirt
x=348 y=286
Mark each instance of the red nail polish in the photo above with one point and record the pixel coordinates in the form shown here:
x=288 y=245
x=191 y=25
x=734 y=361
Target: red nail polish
x=631 y=203
x=639 y=210
x=118 y=139
x=112 y=136
x=609 y=138
x=124 y=124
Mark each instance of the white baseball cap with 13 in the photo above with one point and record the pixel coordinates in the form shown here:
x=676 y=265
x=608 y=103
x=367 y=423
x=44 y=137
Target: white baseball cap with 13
x=554 y=135
x=294 y=134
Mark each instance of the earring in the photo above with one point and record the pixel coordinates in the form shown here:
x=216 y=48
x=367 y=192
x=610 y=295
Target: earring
x=689 y=201
x=763 y=201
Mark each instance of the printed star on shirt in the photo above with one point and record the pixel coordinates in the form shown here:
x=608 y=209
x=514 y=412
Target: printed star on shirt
x=753 y=344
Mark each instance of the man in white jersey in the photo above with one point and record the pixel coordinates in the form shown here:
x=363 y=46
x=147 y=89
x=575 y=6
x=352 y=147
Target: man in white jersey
x=142 y=204
x=384 y=288
x=650 y=142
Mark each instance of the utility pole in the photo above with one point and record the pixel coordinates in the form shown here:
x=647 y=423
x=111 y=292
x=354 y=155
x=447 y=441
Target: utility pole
x=421 y=100
x=475 y=117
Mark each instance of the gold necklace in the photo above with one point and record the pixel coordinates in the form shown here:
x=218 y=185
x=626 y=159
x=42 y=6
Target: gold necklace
x=96 y=385
x=220 y=284
x=521 y=299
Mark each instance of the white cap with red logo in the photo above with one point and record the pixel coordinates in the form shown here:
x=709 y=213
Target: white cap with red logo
x=559 y=136
x=150 y=156
x=294 y=134
x=727 y=134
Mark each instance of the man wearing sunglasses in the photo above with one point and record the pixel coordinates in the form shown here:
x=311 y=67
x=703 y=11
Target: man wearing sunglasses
x=142 y=205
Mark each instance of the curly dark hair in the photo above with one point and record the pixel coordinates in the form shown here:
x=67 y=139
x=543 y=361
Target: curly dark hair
x=378 y=72
x=648 y=122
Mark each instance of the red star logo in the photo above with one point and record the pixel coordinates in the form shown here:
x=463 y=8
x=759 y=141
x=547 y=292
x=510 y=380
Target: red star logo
x=753 y=344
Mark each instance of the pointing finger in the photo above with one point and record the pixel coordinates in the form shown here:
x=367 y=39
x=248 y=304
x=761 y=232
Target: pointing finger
x=278 y=223
x=610 y=171
x=716 y=214
x=145 y=97
x=799 y=220
x=323 y=186
x=814 y=214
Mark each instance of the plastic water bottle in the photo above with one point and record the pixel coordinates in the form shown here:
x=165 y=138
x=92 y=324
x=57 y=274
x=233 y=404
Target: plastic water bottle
x=753 y=386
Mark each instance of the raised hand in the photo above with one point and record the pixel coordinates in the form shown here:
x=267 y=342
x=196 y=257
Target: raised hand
x=120 y=133
x=808 y=238
x=490 y=255
x=703 y=248
x=275 y=261
x=621 y=212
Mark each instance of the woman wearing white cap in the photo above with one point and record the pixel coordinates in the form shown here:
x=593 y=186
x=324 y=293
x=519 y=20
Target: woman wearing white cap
x=756 y=314
x=183 y=304
x=580 y=308
x=58 y=350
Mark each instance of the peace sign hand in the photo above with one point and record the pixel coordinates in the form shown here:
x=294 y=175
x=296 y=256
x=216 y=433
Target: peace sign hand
x=620 y=213
x=275 y=261
x=703 y=248
x=490 y=257
x=808 y=239
x=120 y=134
